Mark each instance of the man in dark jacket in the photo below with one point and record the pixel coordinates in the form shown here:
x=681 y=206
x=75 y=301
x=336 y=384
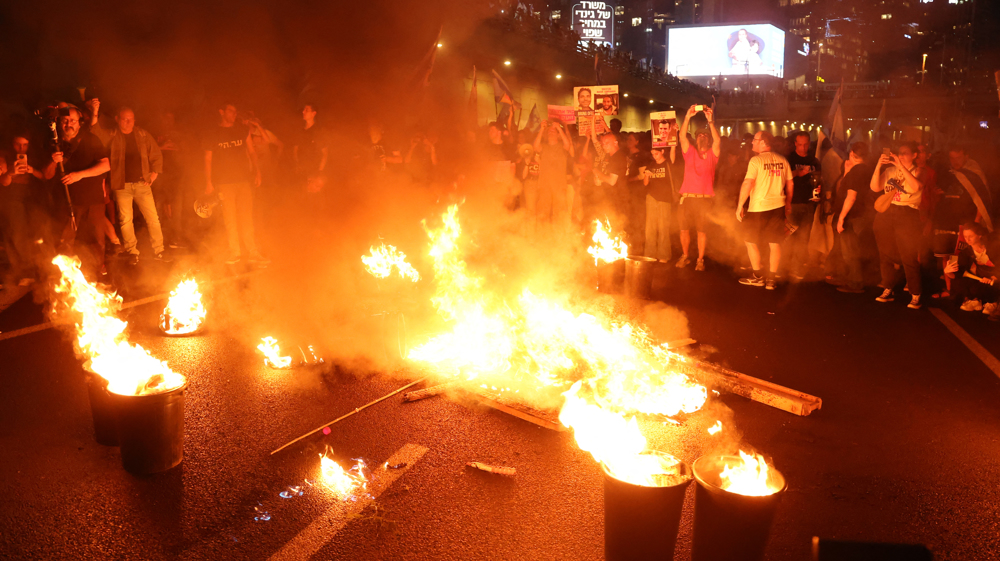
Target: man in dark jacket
x=135 y=161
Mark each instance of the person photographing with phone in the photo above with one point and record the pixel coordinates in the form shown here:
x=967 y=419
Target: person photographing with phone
x=897 y=225
x=697 y=191
x=20 y=198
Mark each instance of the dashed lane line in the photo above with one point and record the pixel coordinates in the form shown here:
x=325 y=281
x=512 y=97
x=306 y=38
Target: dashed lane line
x=310 y=540
x=980 y=351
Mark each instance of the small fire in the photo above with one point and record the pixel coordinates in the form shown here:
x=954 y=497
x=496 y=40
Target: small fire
x=605 y=247
x=750 y=477
x=342 y=482
x=716 y=428
x=129 y=369
x=184 y=312
x=382 y=260
x=272 y=353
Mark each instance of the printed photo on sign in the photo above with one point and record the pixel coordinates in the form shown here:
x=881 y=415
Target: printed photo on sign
x=564 y=114
x=664 y=127
x=601 y=99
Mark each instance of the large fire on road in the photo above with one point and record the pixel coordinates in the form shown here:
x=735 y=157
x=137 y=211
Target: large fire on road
x=602 y=369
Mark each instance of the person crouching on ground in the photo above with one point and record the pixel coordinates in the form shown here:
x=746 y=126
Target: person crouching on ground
x=974 y=271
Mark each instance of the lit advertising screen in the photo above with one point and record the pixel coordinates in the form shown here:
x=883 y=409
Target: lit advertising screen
x=757 y=48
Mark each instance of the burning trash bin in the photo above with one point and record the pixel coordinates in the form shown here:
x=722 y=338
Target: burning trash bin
x=142 y=394
x=639 y=276
x=609 y=255
x=101 y=408
x=184 y=314
x=735 y=501
x=642 y=514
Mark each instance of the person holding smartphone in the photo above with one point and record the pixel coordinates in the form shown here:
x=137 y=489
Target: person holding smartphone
x=897 y=230
x=20 y=198
x=974 y=271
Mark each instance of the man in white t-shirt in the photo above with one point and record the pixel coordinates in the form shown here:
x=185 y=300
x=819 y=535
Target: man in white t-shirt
x=898 y=229
x=768 y=186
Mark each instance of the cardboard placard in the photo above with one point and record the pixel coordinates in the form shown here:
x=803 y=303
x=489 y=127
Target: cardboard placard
x=665 y=128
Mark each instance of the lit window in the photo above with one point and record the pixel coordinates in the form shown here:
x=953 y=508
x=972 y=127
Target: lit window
x=636 y=22
x=619 y=10
x=556 y=14
x=886 y=16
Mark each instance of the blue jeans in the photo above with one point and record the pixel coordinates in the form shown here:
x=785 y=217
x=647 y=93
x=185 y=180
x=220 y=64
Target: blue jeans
x=142 y=195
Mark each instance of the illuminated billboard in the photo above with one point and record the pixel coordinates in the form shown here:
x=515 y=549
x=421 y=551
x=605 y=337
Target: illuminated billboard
x=757 y=48
x=595 y=22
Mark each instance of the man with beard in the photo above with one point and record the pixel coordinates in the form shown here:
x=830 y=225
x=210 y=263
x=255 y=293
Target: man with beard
x=83 y=160
x=609 y=176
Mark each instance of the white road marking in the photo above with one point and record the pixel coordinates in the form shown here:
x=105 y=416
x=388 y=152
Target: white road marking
x=310 y=540
x=988 y=359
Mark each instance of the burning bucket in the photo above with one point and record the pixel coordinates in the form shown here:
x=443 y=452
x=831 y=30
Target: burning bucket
x=151 y=430
x=641 y=521
x=729 y=525
x=102 y=409
x=639 y=276
x=611 y=277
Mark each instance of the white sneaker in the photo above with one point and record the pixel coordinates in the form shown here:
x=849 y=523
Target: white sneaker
x=914 y=302
x=971 y=305
x=989 y=308
x=886 y=296
x=682 y=262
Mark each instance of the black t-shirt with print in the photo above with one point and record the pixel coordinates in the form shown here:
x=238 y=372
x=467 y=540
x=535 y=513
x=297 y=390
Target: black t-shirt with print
x=803 y=185
x=660 y=184
x=83 y=153
x=230 y=163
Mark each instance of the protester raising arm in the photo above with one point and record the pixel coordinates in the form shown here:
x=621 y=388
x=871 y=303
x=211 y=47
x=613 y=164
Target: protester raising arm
x=716 y=139
x=541 y=133
x=682 y=134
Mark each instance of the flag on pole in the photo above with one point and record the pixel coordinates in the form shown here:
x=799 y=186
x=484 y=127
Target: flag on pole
x=501 y=92
x=533 y=121
x=834 y=126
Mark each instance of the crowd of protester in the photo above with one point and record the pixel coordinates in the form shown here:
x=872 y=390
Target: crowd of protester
x=781 y=209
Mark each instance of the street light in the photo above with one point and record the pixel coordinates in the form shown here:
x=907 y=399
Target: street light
x=558 y=76
x=651 y=101
x=440 y=45
x=625 y=95
x=506 y=63
x=923 y=70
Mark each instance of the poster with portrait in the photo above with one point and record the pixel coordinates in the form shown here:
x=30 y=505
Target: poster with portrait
x=602 y=100
x=664 y=127
x=587 y=121
x=565 y=114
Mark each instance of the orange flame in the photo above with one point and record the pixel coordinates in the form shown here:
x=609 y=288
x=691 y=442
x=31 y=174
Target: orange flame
x=184 y=312
x=598 y=367
x=606 y=248
x=716 y=428
x=749 y=477
x=272 y=353
x=342 y=482
x=384 y=258
x=129 y=369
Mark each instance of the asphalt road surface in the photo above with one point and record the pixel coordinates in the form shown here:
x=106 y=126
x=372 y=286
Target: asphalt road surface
x=903 y=450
